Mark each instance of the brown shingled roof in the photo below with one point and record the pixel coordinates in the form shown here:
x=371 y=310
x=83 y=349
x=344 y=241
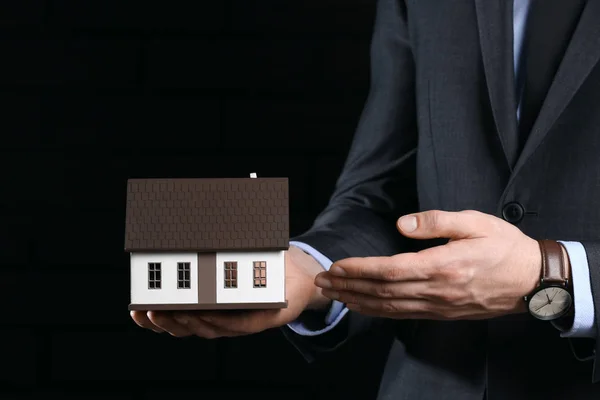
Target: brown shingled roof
x=207 y=214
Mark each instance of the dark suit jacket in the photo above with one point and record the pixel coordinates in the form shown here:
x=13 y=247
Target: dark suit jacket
x=439 y=131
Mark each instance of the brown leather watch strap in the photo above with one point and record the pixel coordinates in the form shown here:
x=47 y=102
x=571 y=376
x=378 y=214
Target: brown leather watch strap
x=554 y=265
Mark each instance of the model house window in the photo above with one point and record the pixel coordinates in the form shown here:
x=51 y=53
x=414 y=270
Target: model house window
x=183 y=275
x=260 y=274
x=230 y=274
x=154 y=275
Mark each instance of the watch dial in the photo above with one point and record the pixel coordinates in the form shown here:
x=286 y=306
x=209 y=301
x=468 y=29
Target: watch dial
x=550 y=303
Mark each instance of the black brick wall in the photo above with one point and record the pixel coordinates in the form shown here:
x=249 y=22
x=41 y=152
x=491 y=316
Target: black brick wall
x=95 y=92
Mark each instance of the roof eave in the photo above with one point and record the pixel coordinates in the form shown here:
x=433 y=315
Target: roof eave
x=190 y=250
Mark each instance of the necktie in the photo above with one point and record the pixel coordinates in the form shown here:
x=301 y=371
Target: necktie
x=550 y=26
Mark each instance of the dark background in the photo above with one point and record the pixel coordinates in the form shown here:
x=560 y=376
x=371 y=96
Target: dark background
x=95 y=92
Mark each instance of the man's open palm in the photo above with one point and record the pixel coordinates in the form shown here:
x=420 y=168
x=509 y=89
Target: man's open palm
x=301 y=294
x=483 y=271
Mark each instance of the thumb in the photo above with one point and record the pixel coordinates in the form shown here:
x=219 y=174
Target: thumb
x=435 y=224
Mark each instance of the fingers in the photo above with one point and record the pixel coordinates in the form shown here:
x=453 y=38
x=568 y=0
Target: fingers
x=209 y=324
x=375 y=288
x=395 y=307
x=444 y=224
x=421 y=265
x=165 y=321
x=401 y=267
x=142 y=320
x=196 y=323
x=247 y=322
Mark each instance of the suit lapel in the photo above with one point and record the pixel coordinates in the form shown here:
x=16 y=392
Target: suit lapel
x=581 y=56
x=494 y=18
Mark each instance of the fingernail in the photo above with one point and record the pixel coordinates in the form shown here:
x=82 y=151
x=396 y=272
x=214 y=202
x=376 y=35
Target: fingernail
x=322 y=282
x=181 y=319
x=332 y=294
x=337 y=271
x=408 y=223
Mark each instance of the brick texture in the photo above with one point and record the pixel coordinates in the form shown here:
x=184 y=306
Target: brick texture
x=226 y=392
x=67 y=394
x=262 y=367
x=95 y=93
x=101 y=176
x=246 y=63
x=320 y=124
x=26 y=14
x=131 y=356
x=180 y=15
x=77 y=239
x=22 y=120
x=20 y=189
x=232 y=63
x=91 y=62
x=18 y=347
x=15 y=240
x=93 y=296
x=115 y=121
x=310 y=17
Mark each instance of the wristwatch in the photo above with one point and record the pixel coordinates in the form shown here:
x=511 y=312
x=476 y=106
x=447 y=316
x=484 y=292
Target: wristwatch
x=552 y=299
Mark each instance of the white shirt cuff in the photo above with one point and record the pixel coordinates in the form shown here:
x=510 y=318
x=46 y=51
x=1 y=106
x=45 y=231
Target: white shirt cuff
x=337 y=310
x=583 y=323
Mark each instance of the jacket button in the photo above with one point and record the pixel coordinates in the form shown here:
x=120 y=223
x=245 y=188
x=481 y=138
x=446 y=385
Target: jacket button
x=513 y=212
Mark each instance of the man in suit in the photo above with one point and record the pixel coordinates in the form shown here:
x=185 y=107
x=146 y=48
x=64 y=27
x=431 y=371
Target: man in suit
x=466 y=218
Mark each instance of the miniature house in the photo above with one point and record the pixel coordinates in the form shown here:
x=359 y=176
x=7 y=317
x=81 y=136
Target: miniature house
x=207 y=243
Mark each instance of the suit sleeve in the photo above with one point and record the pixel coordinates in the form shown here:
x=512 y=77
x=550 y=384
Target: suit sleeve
x=336 y=311
x=377 y=183
x=592 y=250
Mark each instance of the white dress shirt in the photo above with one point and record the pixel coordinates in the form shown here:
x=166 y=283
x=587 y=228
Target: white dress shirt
x=583 y=325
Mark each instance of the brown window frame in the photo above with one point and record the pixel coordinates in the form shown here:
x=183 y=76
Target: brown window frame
x=154 y=275
x=230 y=276
x=259 y=274
x=184 y=272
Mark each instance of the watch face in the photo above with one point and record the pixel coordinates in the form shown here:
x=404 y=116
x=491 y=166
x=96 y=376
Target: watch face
x=550 y=303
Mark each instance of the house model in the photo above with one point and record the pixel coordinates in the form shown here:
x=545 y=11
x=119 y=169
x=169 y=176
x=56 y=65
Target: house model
x=207 y=243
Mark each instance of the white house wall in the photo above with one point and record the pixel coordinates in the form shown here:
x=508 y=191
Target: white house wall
x=245 y=292
x=169 y=293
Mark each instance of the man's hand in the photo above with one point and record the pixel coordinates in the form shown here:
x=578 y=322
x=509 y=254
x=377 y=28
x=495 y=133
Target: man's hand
x=482 y=272
x=301 y=292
